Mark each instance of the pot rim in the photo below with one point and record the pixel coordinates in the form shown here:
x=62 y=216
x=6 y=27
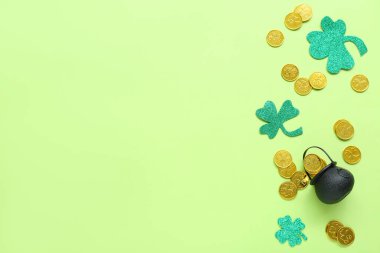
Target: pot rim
x=315 y=179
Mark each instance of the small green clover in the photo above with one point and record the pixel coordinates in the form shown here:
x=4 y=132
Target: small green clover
x=276 y=120
x=290 y=231
x=330 y=43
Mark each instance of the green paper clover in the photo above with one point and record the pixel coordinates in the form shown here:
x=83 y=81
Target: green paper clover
x=276 y=120
x=330 y=43
x=290 y=231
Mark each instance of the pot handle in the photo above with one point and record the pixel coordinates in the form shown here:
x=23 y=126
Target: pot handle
x=304 y=153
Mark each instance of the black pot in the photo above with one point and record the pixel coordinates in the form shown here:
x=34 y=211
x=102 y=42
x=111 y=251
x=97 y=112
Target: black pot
x=332 y=183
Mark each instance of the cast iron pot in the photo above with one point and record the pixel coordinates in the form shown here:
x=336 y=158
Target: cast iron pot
x=332 y=183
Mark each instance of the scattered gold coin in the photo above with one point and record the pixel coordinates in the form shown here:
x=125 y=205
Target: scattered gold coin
x=346 y=235
x=336 y=123
x=344 y=130
x=300 y=179
x=293 y=21
x=282 y=159
x=302 y=86
x=289 y=72
x=359 y=83
x=318 y=80
x=305 y=12
x=352 y=155
x=275 y=38
x=288 y=190
x=312 y=163
x=332 y=229
x=288 y=171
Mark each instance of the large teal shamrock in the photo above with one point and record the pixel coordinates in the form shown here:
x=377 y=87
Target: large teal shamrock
x=290 y=231
x=276 y=120
x=330 y=43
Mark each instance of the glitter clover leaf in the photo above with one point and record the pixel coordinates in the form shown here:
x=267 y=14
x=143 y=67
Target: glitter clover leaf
x=275 y=121
x=290 y=231
x=330 y=43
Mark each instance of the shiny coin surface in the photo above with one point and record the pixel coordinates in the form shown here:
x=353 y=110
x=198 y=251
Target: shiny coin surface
x=323 y=163
x=332 y=229
x=289 y=72
x=300 y=179
x=275 y=38
x=305 y=12
x=346 y=235
x=344 y=130
x=293 y=21
x=312 y=163
x=313 y=175
x=282 y=159
x=288 y=171
x=288 y=190
x=359 y=83
x=336 y=123
x=302 y=86
x=352 y=155
x=318 y=81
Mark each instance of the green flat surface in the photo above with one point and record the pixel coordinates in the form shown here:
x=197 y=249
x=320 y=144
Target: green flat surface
x=129 y=126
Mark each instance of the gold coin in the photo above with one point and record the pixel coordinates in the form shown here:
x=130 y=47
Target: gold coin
x=293 y=21
x=346 y=235
x=323 y=164
x=302 y=86
x=359 y=83
x=282 y=159
x=313 y=175
x=305 y=12
x=288 y=171
x=289 y=72
x=336 y=123
x=332 y=229
x=352 y=155
x=288 y=190
x=318 y=80
x=344 y=130
x=312 y=163
x=275 y=38
x=300 y=179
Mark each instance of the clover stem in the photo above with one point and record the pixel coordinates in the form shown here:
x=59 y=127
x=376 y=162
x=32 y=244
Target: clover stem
x=358 y=43
x=292 y=133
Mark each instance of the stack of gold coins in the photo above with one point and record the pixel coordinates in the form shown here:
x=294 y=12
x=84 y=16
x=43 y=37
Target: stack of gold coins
x=313 y=164
x=343 y=129
x=287 y=169
x=302 y=13
x=338 y=232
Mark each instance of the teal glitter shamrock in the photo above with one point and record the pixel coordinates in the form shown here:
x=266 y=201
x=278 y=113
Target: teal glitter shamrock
x=290 y=231
x=330 y=43
x=276 y=120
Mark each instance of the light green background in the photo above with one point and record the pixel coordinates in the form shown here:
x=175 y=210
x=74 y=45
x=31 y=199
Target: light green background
x=129 y=126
